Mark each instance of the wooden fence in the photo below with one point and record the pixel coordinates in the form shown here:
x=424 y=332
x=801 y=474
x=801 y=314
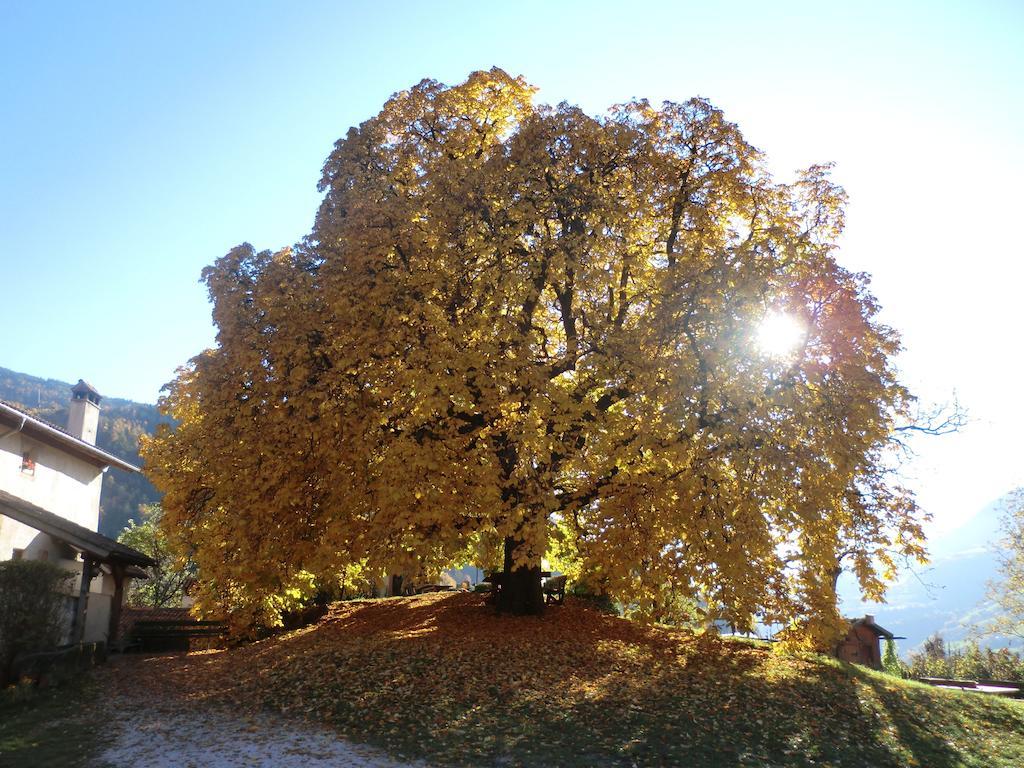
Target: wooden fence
x=155 y=635
x=1009 y=688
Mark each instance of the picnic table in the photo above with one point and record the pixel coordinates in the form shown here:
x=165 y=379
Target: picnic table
x=552 y=587
x=1006 y=688
x=494 y=577
x=434 y=588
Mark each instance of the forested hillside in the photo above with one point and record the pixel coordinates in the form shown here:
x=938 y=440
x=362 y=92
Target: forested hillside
x=121 y=424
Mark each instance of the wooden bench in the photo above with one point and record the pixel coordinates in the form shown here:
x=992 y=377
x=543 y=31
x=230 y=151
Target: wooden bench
x=554 y=589
x=434 y=588
x=175 y=634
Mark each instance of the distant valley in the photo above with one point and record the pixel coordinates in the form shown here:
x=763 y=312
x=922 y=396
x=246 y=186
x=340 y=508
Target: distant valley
x=947 y=595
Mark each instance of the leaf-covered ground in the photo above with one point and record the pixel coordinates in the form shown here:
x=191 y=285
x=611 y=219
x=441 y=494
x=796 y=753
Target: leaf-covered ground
x=443 y=678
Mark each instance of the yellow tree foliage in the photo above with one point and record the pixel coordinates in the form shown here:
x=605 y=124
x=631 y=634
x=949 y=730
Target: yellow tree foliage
x=521 y=323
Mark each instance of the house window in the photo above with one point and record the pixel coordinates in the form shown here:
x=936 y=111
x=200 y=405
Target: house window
x=28 y=464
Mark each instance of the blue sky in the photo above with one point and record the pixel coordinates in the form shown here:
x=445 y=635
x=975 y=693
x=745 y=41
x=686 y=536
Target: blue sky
x=140 y=141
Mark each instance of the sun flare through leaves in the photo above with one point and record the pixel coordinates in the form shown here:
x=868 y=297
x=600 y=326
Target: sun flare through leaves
x=780 y=335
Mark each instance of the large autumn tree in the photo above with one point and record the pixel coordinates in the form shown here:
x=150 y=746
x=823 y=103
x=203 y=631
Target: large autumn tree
x=521 y=324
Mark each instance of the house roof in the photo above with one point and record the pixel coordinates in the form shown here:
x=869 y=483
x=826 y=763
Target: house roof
x=76 y=536
x=51 y=434
x=868 y=622
x=83 y=387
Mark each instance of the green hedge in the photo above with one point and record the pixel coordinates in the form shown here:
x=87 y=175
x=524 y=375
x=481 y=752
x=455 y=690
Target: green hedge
x=31 y=609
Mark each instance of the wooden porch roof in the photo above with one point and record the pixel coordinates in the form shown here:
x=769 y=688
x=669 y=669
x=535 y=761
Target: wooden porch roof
x=96 y=545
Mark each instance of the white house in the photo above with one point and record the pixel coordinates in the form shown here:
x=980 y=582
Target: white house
x=50 y=480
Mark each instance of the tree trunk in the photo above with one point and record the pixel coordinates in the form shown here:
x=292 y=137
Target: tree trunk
x=520 y=593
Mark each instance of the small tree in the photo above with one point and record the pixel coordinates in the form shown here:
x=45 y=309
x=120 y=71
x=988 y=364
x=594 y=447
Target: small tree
x=1004 y=664
x=31 y=609
x=891 y=661
x=1007 y=593
x=171 y=575
x=932 y=660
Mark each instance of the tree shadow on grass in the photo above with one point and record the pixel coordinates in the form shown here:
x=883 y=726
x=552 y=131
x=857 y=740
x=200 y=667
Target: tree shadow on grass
x=819 y=714
x=844 y=714
x=929 y=721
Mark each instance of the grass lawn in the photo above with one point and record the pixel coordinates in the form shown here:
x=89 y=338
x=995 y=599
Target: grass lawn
x=52 y=727
x=443 y=678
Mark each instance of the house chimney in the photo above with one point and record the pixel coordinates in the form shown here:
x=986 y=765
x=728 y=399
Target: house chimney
x=84 y=413
x=869 y=618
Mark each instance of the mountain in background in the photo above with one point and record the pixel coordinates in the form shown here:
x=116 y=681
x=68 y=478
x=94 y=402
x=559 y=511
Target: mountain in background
x=947 y=595
x=122 y=422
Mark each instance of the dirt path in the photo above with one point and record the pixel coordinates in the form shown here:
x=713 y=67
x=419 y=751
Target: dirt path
x=154 y=727
x=207 y=738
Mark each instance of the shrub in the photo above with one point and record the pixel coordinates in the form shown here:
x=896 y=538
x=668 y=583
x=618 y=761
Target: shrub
x=968 y=661
x=598 y=600
x=891 y=663
x=170 y=578
x=31 y=608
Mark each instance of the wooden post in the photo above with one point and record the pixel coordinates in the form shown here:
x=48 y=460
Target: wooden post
x=78 y=631
x=115 y=606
